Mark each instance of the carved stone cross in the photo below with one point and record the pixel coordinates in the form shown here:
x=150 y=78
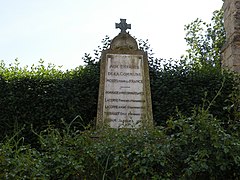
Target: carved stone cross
x=123 y=25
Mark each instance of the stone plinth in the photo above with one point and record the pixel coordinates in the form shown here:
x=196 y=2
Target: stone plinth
x=124 y=92
x=231 y=51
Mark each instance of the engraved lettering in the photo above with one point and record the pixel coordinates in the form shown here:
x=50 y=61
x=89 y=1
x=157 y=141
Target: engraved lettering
x=124 y=96
x=111 y=107
x=113 y=73
x=123 y=81
x=111 y=100
x=129 y=67
x=114 y=66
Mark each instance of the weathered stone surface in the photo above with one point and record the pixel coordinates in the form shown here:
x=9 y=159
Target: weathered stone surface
x=231 y=55
x=231 y=51
x=124 y=92
x=124 y=102
x=124 y=42
x=236 y=68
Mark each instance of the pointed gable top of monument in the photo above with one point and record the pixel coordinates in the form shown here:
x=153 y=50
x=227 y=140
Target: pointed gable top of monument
x=123 y=41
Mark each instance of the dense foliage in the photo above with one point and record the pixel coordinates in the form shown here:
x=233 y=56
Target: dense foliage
x=205 y=41
x=193 y=147
x=47 y=115
x=43 y=95
x=46 y=95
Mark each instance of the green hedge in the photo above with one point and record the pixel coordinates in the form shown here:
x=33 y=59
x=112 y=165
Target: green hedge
x=179 y=87
x=44 y=94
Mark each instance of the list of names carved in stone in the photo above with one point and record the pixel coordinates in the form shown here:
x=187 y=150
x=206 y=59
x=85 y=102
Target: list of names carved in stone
x=124 y=97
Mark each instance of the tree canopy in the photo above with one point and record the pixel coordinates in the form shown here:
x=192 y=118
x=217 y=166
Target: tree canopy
x=205 y=41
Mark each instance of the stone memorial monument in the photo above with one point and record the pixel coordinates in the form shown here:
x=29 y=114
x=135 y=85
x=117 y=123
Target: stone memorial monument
x=231 y=50
x=124 y=93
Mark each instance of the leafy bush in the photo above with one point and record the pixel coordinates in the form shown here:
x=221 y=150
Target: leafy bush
x=183 y=87
x=35 y=96
x=193 y=147
x=205 y=41
x=203 y=148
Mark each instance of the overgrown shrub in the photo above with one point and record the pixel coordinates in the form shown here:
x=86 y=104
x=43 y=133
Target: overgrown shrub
x=203 y=149
x=189 y=147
